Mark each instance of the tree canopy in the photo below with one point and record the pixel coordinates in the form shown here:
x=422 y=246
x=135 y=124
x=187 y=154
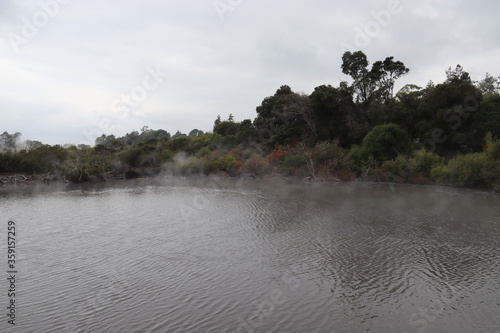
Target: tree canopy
x=445 y=133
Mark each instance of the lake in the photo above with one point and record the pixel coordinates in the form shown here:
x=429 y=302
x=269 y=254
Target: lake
x=213 y=255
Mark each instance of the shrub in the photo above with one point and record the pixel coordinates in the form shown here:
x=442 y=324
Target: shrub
x=491 y=168
x=228 y=163
x=423 y=161
x=324 y=152
x=256 y=166
x=193 y=166
x=439 y=174
x=466 y=170
x=167 y=155
x=180 y=143
x=277 y=155
x=355 y=158
x=203 y=152
x=401 y=167
x=132 y=174
x=385 y=142
x=131 y=156
x=291 y=164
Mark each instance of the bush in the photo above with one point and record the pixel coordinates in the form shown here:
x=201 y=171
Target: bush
x=439 y=174
x=167 y=156
x=472 y=170
x=291 y=164
x=228 y=163
x=399 y=167
x=324 y=152
x=131 y=156
x=491 y=168
x=132 y=174
x=466 y=170
x=256 y=166
x=423 y=161
x=385 y=142
x=277 y=155
x=356 y=159
x=193 y=166
x=203 y=152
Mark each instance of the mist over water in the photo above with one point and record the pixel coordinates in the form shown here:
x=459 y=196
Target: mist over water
x=210 y=255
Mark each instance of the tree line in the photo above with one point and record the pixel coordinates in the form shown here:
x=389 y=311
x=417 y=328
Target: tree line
x=445 y=133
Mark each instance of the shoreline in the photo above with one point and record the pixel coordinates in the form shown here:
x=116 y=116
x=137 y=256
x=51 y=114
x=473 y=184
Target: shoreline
x=25 y=180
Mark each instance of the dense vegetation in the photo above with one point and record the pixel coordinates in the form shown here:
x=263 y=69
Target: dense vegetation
x=444 y=133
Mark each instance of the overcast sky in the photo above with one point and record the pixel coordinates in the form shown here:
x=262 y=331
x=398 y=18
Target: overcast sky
x=72 y=70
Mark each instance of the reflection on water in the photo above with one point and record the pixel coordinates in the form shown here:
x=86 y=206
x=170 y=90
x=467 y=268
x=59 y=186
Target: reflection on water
x=256 y=257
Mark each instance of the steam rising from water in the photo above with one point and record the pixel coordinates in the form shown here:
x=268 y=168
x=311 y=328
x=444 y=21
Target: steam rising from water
x=212 y=255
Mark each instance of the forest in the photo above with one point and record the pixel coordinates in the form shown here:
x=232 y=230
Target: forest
x=445 y=133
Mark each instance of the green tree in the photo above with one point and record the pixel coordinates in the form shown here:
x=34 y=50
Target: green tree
x=196 y=133
x=387 y=72
x=457 y=75
x=333 y=114
x=217 y=121
x=375 y=84
x=489 y=85
x=178 y=134
x=226 y=128
x=384 y=143
x=283 y=118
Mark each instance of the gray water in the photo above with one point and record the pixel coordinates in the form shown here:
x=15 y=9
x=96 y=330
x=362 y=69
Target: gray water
x=253 y=257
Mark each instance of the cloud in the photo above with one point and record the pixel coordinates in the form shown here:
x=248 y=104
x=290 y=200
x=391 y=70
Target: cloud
x=64 y=81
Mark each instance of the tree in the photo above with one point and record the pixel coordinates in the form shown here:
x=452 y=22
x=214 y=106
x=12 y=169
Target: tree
x=9 y=141
x=355 y=65
x=246 y=131
x=387 y=72
x=376 y=84
x=457 y=75
x=217 y=121
x=196 y=133
x=226 y=128
x=32 y=144
x=105 y=140
x=271 y=123
x=329 y=108
x=385 y=142
x=489 y=85
x=178 y=134
x=299 y=106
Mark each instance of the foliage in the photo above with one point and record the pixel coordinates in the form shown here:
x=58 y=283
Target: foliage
x=132 y=174
x=357 y=129
x=256 y=166
x=8 y=142
x=277 y=155
x=291 y=164
x=228 y=163
x=225 y=128
x=382 y=143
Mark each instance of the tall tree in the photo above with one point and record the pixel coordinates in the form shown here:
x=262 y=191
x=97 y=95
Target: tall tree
x=375 y=84
x=217 y=121
x=356 y=66
x=386 y=73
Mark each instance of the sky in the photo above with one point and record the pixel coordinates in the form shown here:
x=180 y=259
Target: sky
x=72 y=70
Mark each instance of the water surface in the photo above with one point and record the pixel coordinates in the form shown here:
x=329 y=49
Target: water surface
x=255 y=257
